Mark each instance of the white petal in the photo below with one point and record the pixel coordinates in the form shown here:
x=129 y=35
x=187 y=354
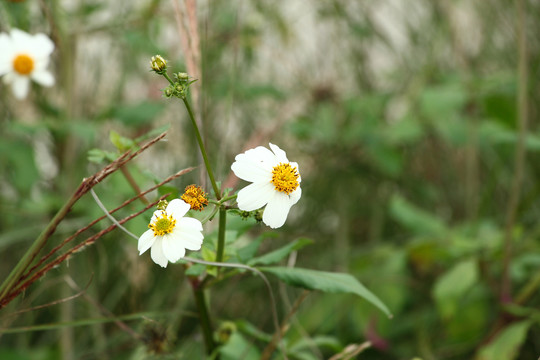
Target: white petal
x=173 y=248
x=190 y=224
x=177 y=208
x=20 y=86
x=43 y=46
x=275 y=213
x=44 y=78
x=280 y=154
x=295 y=195
x=247 y=169
x=255 y=196
x=262 y=154
x=191 y=240
x=21 y=40
x=156 y=252
x=146 y=241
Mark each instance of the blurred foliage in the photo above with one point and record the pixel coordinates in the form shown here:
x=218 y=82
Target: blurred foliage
x=402 y=117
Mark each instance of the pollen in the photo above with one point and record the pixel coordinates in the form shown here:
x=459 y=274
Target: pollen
x=285 y=178
x=195 y=197
x=164 y=224
x=23 y=64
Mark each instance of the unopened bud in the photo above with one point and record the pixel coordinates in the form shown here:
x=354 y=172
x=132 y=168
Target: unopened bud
x=158 y=64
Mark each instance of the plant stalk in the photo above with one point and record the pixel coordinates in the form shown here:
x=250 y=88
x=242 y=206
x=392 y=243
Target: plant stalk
x=203 y=150
x=204 y=317
x=520 y=154
x=221 y=234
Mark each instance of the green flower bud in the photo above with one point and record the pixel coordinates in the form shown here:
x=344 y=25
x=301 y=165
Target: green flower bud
x=158 y=64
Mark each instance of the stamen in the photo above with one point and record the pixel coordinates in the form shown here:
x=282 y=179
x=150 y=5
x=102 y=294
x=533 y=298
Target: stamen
x=285 y=178
x=195 y=197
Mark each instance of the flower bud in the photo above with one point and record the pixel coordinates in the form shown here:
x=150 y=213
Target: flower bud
x=182 y=76
x=158 y=64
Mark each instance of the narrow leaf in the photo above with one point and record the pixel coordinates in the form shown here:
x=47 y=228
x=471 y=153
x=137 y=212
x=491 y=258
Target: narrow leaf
x=327 y=282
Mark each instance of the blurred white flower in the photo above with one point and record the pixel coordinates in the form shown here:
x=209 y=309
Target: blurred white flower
x=276 y=183
x=171 y=234
x=24 y=57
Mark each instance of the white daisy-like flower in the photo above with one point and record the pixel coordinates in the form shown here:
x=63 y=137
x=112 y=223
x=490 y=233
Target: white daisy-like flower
x=276 y=183
x=25 y=57
x=171 y=234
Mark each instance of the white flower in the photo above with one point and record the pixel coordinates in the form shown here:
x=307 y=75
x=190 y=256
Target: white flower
x=24 y=57
x=171 y=234
x=276 y=183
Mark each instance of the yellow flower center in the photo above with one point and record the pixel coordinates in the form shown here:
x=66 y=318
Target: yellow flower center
x=285 y=178
x=23 y=64
x=163 y=225
x=195 y=197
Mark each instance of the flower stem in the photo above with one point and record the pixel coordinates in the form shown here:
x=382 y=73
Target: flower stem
x=203 y=150
x=221 y=234
x=133 y=184
x=204 y=318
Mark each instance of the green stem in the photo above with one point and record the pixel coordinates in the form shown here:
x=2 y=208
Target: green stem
x=203 y=150
x=221 y=234
x=204 y=318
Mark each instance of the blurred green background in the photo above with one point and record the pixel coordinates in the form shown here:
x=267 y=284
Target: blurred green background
x=404 y=118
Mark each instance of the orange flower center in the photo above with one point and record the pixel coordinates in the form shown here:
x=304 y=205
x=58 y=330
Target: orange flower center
x=285 y=178
x=23 y=64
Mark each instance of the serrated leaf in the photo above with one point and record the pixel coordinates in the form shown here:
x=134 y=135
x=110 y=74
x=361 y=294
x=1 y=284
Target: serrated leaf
x=277 y=255
x=327 y=282
x=507 y=343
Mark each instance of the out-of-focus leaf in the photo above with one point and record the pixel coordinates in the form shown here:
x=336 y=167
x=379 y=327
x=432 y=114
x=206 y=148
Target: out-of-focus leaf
x=138 y=114
x=506 y=344
x=328 y=342
x=416 y=219
x=405 y=131
x=98 y=156
x=452 y=286
x=21 y=165
x=492 y=133
x=439 y=102
x=327 y=282
x=120 y=142
x=239 y=348
x=277 y=255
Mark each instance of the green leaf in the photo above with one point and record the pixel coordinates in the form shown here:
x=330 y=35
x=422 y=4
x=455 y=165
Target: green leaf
x=507 y=343
x=247 y=252
x=239 y=348
x=276 y=255
x=452 y=286
x=416 y=219
x=327 y=282
x=138 y=114
x=120 y=142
